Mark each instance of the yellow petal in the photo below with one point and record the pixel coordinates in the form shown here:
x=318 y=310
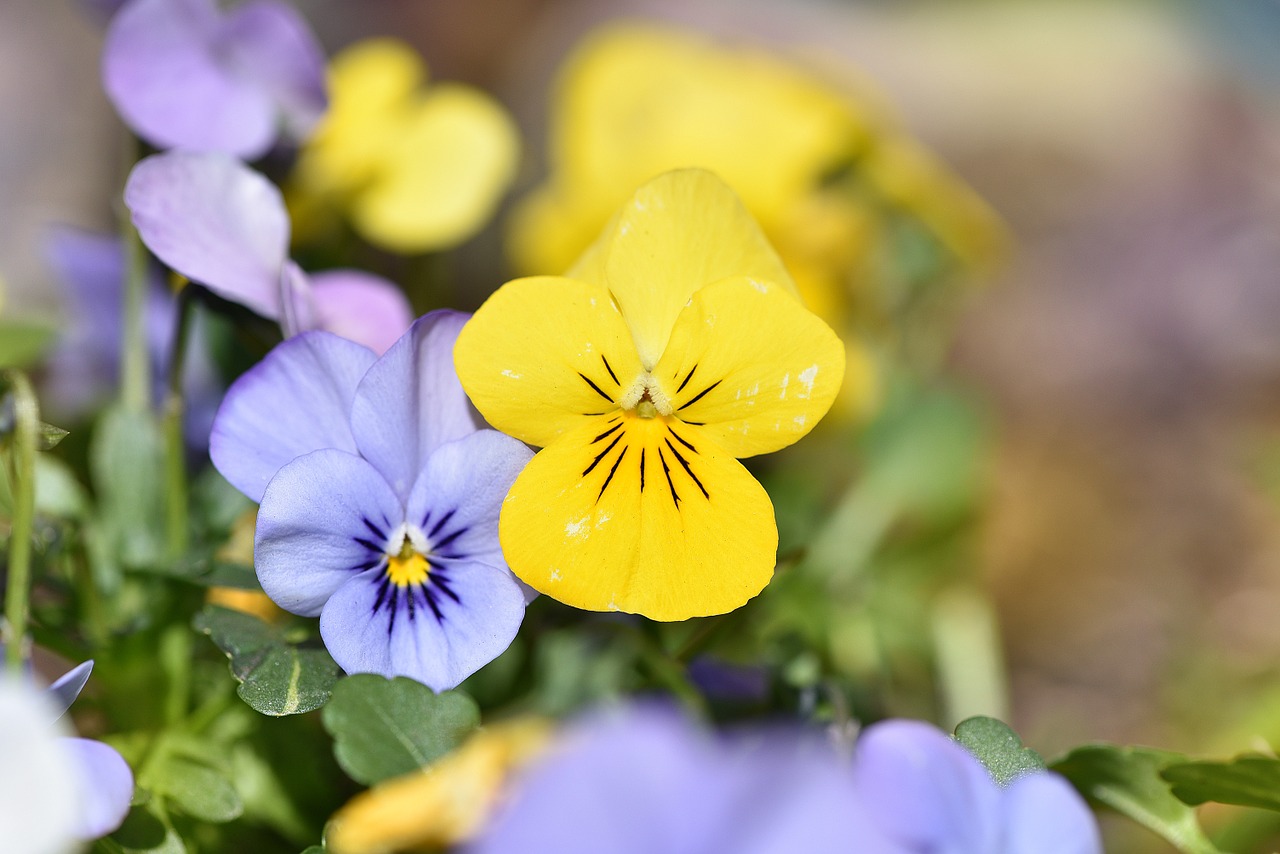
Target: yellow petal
x=680 y=231
x=542 y=353
x=751 y=364
x=451 y=161
x=643 y=515
x=442 y=805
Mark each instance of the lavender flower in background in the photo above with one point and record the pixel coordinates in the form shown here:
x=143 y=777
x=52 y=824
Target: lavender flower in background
x=931 y=796
x=182 y=74
x=645 y=779
x=55 y=789
x=380 y=498
x=84 y=369
x=219 y=223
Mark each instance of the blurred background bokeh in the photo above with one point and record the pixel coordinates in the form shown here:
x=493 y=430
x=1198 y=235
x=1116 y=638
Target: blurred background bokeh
x=1126 y=354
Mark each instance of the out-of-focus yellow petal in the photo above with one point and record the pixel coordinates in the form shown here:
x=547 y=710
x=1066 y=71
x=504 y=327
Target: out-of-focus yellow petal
x=415 y=169
x=442 y=179
x=643 y=515
x=680 y=231
x=544 y=354
x=755 y=367
x=442 y=805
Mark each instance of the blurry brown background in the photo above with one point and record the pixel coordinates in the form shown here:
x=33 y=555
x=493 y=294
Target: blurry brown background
x=1130 y=352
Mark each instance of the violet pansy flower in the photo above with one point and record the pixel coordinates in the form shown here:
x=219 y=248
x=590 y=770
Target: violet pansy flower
x=82 y=786
x=223 y=225
x=931 y=796
x=183 y=74
x=84 y=368
x=645 y=779
x=379 y=500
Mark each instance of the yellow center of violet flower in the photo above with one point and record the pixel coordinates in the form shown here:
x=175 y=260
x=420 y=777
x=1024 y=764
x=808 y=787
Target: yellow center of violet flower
x=408 y=567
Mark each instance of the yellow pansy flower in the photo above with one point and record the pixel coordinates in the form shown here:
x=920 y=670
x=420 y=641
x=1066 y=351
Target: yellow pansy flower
x=675 y=345
x=443 y=804
x=414 y=168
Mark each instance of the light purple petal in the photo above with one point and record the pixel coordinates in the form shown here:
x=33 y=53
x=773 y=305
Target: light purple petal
x=325 y=518
x=457 y=498
x=64 y=691
x=161 y=69
x=270 y=44
x=297 y=303
x=362 y=307
x=105 y=786
x=440 y=632
x=296 y=400
x=926 y=791
x=215 y=221
x=411 y=402
x=1044 y=815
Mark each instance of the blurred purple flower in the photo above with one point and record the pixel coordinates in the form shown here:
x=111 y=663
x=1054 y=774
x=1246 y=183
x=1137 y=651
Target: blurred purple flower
x=184 y=75
x=380 y=497
x=224 y=226
x=645 y=779
x=101 y=778
x=931 y=796
x=84 y=368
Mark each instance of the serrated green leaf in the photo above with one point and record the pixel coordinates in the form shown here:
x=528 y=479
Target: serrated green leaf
x=126 y=461
x=1247 y=781
x=1127 y=779
x=998 y=747
x=22 y=342
x=386 y=727
x=276 y=677
x=198 y=790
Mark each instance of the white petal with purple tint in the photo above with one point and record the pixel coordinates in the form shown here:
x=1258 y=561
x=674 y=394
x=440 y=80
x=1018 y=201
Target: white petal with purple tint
x=360 y=306
x=105 y=786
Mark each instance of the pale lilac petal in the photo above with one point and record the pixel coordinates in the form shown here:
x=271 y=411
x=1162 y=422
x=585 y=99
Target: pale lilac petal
x=215 y=221
x=926 y=791
x=464 y=616
x=271 y=45
x=161 y=70
x=1044 y=815
x=37 y=777
x=296 y=400
x=105 y=786
x=69 y=685
x=411 y=402
x=360 y=306
x=325 y=518
x=457 y=498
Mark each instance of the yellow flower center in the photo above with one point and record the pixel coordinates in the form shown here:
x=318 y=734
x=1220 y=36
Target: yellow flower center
x=408 y=567
x=646 y=398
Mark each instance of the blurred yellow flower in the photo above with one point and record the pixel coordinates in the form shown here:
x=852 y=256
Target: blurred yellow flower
x=675 y=345
x=238 y=549
x=444 y=804
x=413 y=168
x=821 y=169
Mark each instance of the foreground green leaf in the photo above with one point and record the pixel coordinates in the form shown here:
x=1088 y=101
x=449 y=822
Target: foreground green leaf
x=998 y=747
x=1127 y=779
x=198 y=790
x=1247 y=781
x=386 y=727
x=276 y=677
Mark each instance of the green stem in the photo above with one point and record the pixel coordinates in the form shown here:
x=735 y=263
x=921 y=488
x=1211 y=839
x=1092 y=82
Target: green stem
x=175 y=444
x=22 y=482
x=135 y=368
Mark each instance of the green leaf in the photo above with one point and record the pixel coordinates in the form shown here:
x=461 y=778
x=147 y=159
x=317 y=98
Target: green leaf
x=198 y=790
x=1247 y=781
x=23 y=342
x=386 y=727
x=1127 y=779
x=998 y=748
x=276 y=677
x=143 y=832
x=126 y=460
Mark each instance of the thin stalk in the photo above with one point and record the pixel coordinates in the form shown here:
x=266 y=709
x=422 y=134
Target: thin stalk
x=175 y=462
x=135 y=367
x=22 y=483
